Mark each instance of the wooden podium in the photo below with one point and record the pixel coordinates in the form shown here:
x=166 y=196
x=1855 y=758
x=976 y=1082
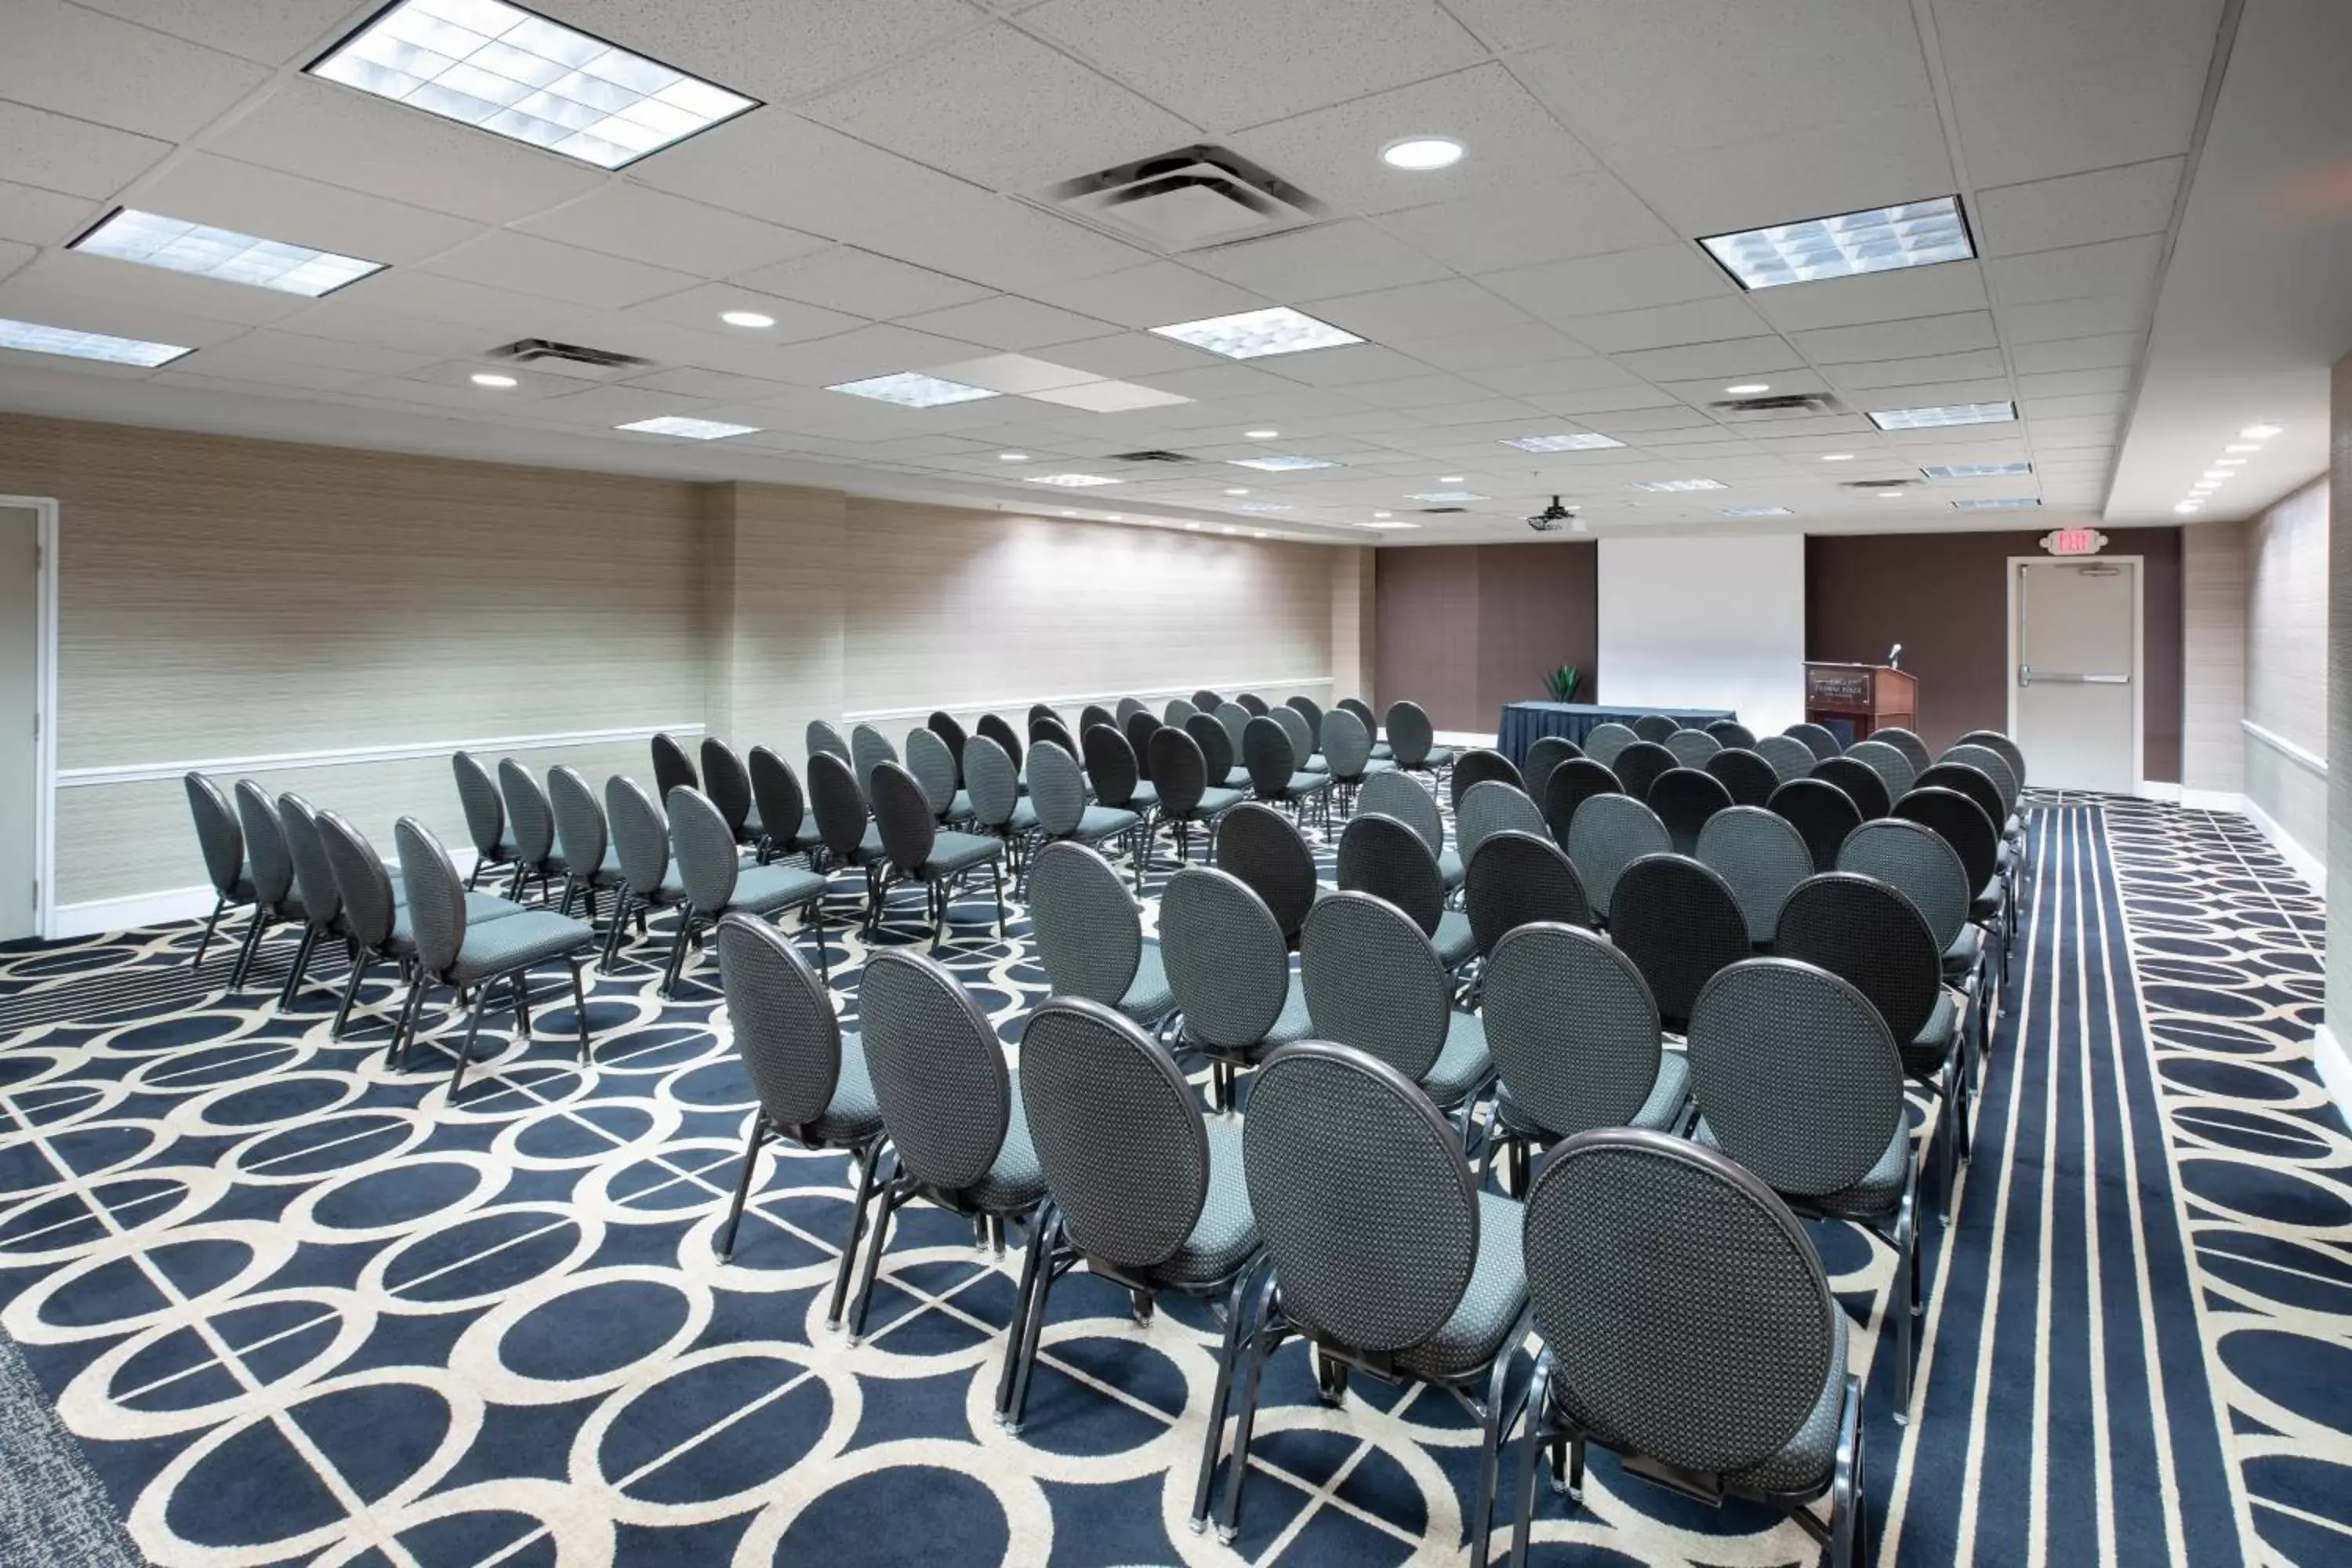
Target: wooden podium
x=1867 y=696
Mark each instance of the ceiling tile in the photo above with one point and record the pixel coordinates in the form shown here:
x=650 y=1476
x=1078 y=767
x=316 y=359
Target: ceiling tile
x=1418 y=391
x=1009 y=373
x=1348 y=365
x=506 y=259
x=1108 y=397
x=1890 y=158
x=1131 y=353
x=624 y=218
x=1738 y=357
x=1597 y=400
x=1710 y=320
x=1495 y=347
x=611 y=406
x=35 y=216
x=1215 y=381
x=96 y=68
x=343 y=137
x=2098 y=405
x=73 y=156
x=774 y=53
x=776 y=165
x=104 y=278
x=1919 y=369
x=273 y=32
x=2077 y=209
x=1953 y=333
x=275 y=205
x=353 y=319
x=2069 y=383
x=1002 y=243
x=711 y=385
x=1941 y=290
x=329 y=354
x=1417 y=310
x=2126 y=268
x=27 y=299
x=869 y=351
x=975 y=110
x=1230 y=63
x=1333 y=259
x=1333 y=153
x=14 y=255
x=1670 y=274
x=1585 y=372
x=2074 y=319
x=1154 y=294
x=2101 y=351
x=1534 y=221
x=257 y=374
x=698 y=310
x=1007 y=322
x=864 y=284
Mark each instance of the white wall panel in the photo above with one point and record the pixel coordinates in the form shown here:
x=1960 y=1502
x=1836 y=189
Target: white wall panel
x=1705 y=623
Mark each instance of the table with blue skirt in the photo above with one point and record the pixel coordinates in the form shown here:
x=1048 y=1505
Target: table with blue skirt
x=1524 y=724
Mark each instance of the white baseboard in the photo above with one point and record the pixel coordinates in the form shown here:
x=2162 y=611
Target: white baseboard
x=2158 y=789
x=2335 y=1067
x=1462 y=737
x=2213 y=800
x=100 y=916
x=2307 y=865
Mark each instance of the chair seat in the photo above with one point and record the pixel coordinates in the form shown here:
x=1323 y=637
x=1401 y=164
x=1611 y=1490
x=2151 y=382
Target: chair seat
x=502 y=946
x=852 y=1114
x=1304 y=782
x=760 y=889
x=1237 y=779
x=1926 y=1054
x=1146 y=797
x=2004 y=859
x=1453 y=939
x=1449 y=867
x=481 y=908
x=1215 y=801
x=1379 y=766
x=1439 y=757
x=958 y=807
x=1380 y=753
x=1491 y=1303
x=1315 y=764
x=1225 y=1236
x=1960 y=959
x=1293 y=1023
x=1808 y=1460
x=1463 y=1065
x=954 y=852
x=1986 y=905
x=607 y=873
x=1016 y=1180
x=1024 y=818
x=1876 y=1195
x=1103 y=822
x=1659 y=1113
x=1148 y=996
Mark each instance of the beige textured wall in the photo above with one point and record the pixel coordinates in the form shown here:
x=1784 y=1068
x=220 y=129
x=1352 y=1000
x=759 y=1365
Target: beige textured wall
x=2288 y=663
x=2336 y=847
x=2213 y=657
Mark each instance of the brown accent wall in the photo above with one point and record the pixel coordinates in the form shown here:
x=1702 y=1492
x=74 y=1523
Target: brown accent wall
x=1465 y=628
x=1945 y=597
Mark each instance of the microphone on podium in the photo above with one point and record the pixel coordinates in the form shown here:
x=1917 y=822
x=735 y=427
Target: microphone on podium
x=1894 y=657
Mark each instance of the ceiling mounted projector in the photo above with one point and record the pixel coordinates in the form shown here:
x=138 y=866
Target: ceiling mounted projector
x=1552 y=518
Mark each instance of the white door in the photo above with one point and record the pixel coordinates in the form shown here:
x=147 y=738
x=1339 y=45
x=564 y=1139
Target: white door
x=2076 y=690
x=20 y=664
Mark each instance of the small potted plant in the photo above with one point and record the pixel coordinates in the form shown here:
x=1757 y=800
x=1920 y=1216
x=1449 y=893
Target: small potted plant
x=1562 y=682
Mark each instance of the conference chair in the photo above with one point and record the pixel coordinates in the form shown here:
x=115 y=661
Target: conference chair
x=869 y=748
x=1732 y=735
x=1115 y=773
x=1748 y=776
x=2011 y=827
x=810 y=1085
x=1180 y=771
x=1237 y=997
x=672 y=766
x=1048 y=730
x=1572 y=784
x=1798 y=1079
x=934 y=767
x=1058 y=790
x=1915 y=750
x=1413 y=743
x=1137 y=729
x=1790 y=758
x=1609 y=833
x=223 y=844
x=1679 y=923
x=1916 y=861
x=1399 y=794
x=1961 y=823
x=1382 y=1254
x=533 y=820
x=958 y=1137
x=641 y=841
x=1306 y=708
x=591 y=863
x=485 y=815
x=1384 y=857
x=1818 y=739
x=1206 y=700
x=1216 y=745
x=1143 y=1191
x=1275 y=773
x=1861 y=782
x=998 y=807
x=851 y=836
x=1481 y=765
x=1129 y=707
x=1692 y=747
x=1302 y=740
x=947 y=727
x=1654 y=727
x=1362 y=709
x=996 y=729
x=824 y=738
x=1348 y=748
x=916 y=850
x=1235 y=720
x=2007 y=749
x=1761 y=857
x=314 y=884
x=1090 y=937
x=1264 y=848
x=1995 y=765
x=729 y=786
x=1606 y=738
x=468 y=958
x=1707 y=1352
x=270 y=869
x=1637 y=766
x=1374 y=981
x=783 y=808
x=1258 y=706
x=1893 y=768
x=1577 y=1046
x=371 y=916
x=1547 y=754
x=718 y=884
x=1821 y=812
x=1178 y=713
x=1092 y=714
x=1515 y=879
x=1685 y=798
x=1489 y=808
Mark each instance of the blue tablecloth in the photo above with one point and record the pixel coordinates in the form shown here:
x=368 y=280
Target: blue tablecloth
x=1525 y=722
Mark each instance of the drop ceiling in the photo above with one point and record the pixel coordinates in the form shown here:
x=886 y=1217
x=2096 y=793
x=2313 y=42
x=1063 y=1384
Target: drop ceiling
x=891 y=206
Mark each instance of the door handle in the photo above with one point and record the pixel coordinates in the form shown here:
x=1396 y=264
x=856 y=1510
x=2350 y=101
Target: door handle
x=2027 y=674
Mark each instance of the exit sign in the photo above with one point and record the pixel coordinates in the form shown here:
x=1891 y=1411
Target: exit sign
x=2073 y=541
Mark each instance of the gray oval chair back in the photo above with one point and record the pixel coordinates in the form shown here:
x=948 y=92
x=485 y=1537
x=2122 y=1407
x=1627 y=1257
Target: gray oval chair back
x=1178 y=713
x=1692 y=747
x=267 y=860
x=1216 y=745
x=1994 y=767
x=1482 y=765
x=705 y=848
x=1680 y=923
x=1573 y=1028
x=1915 y=861
x=1610 y=832
x=1374 y=982
x=1732 y=735
x=1057 y=789
x=782 y=1020
x=1206 y=700
x=1572 y=784
x=1749 y=778
x=776 y=790
x=1493 y=806
x=436 y=899
x=1253 y=704
x=672 y=766
x=1267 y=754
x=1519 y=878
x=869 y=748
x=1301 y=733
x=1822 y=813
x=1347 y=745
x=1761 y=857
x=1235 y=719
x=486 y=812
x=1637 y=766
x=729 y=786
x=1394 y=793
x=1683 y=799
x=902 y=812
x=1387 y=859
x=1960 y=823
x=314 y=875
x=528 y=812
x=1790 y=758
x=934 y=767
x=824 y=738
x=995 y=787
x=1606 y=738
x=580 y=826
x=1915 y=750
x=2009 y=750
x=1306 y=708
x=1264 y=848
x=1869 y=935
x=640 y=836
x=1893 y=768
x=1129 y=707
x=1179 y=770
x=217 y=834
x=1818 y=739
x=1861 y=782
x=1226 y=960
x=362 y=884
x=1547 y=754
x=1410 y=737
x=1138 y=729
x=1363 y=711
x=1654 y=727
x=937 y=1070
x=1089 y=934
x=838 y=802
x=1111 y=765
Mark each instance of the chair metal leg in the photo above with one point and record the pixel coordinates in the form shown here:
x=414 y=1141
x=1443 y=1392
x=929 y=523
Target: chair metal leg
x=891 y=1198
x=1236 y=1304
x=1036 y=1280
x=405 y=1026
x=206 y=939
x=813 y=919
x=465 y=1046
x=301 y=961
x=350 y=995
x=677 y=964
x=1903 y=1301
x=252 y=945
x=1034 y=1329
x=725 y=1248
x=1531 y=1447
x=996 y=888
x=869 y=1161
x=580 y=1004
x=1263 y=1340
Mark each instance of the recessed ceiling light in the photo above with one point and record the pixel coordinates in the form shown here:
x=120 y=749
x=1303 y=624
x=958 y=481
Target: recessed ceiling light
x=488 y=64
x=1071 y=481
x=1263 y=506
x=1390 y=527
x=747 y=318
x=1279 y=464
x=1578 y=441
x=1261 y=435
x=1237 y=492
x=1257 y=533
x=2258 y=432
x=1446 y=497
x=1229 y=528
x=912 y=389
x=1253 y=334
x=1879 y=240
x=1419 y=153
x=1976 y=470
x=490 y=378
x=2187 y=506
x=1748 y=389
x=1116 y=516
x=1949 y=414
x=1012 y=456
x=1996 y=503
x=33 y=338
x=1679 y=485
x=2218 y=474
x=1837 y=457
x=1888 y=495
x=1191 y=528
x=2229 y=462
x=1449 y=478
x=2243 y=447
x=692 y=429
x=1383 y=514
x=224 y=253
x=1756 y=512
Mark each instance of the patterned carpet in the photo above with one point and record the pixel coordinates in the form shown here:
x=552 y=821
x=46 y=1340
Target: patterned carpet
x=295 y=1308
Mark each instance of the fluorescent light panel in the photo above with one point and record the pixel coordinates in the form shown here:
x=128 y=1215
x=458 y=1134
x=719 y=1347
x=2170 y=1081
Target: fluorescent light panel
x=1878 y=239
x=692 y=429
x=1254 y=334
x=1387 y=527
x=153 y=240
x=912 y=389
x=507 y=70
x=33 y=338
x=1262 y=506
x=1581 y=441
x=1950 y=414
x=1756 y=512
x=1072 y=482
x=1279 y=464
x=1996 y=503
x=1444 y=497
x=1978 y=470
x=1679 y=485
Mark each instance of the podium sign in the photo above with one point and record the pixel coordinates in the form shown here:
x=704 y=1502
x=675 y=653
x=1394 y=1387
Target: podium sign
x=1867 y=697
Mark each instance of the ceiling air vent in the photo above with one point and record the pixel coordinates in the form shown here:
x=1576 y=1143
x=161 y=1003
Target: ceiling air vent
x=1155 y=456
x=1187 y=199
x=1781 y=406
x=540 y=351
x=1876 y=484
x=1442 y=511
